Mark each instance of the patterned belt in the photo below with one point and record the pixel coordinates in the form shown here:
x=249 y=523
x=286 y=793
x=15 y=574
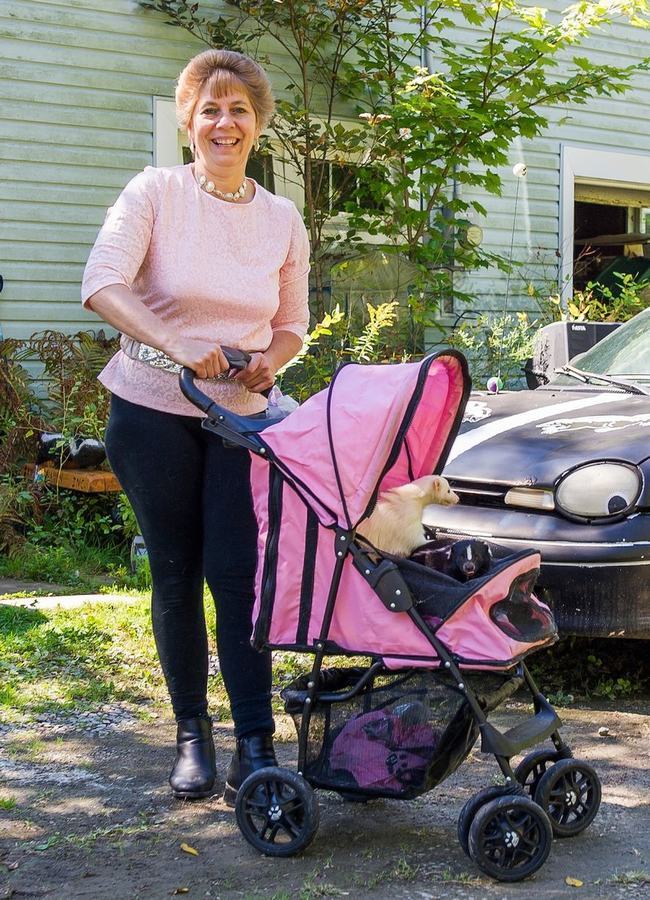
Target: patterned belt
x=156 y=358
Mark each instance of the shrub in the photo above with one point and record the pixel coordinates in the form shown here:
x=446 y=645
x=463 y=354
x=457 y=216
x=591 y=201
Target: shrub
x=599 y=303
x=495 y=345
x=339 y=338
x=63 y=395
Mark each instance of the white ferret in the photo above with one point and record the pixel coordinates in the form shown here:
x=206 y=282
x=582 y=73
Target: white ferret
x=395 y=524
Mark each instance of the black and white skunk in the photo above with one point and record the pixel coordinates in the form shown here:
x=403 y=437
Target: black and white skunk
x=462 y=560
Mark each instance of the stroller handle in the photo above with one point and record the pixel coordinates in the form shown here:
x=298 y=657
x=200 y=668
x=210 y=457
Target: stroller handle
x=237 y=360
x=235 y=429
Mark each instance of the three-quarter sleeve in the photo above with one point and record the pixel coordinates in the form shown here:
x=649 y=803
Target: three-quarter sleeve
x=293 y=311
x=123 y=240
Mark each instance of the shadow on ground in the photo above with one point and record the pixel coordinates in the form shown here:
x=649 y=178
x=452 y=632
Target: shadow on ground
x=92 y=817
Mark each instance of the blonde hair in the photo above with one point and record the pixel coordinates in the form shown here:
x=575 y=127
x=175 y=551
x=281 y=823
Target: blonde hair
x=223 y=70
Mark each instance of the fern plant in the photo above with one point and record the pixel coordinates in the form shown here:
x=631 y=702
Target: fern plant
x=339 y=338
x=75 y=403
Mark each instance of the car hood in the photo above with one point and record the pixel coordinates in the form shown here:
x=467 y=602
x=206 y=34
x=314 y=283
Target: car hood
x=532 y=437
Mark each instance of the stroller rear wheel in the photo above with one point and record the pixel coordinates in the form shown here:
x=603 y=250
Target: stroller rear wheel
x=510 y=838
x=469 y=810
x=570 y=793
x=533 y=766
x=277 y=811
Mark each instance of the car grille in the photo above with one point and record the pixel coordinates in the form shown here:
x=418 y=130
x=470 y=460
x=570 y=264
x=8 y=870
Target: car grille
x=478 y=493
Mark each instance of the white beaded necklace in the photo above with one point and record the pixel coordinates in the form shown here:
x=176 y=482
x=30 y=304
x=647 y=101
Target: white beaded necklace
x=231 y=196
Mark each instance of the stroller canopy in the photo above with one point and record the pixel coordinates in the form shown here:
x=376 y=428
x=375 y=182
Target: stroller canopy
x=374 y=428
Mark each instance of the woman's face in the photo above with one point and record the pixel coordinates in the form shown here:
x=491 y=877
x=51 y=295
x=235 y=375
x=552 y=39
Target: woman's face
x=223 y=129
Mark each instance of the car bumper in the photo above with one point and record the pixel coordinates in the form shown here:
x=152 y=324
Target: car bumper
x=596 y=579
x=598 y=600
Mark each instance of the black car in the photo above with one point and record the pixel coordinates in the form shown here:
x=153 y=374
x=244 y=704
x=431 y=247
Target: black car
x=565 y=468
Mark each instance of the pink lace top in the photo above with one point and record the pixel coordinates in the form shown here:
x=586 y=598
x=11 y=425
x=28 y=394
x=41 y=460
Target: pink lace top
x=229 y=271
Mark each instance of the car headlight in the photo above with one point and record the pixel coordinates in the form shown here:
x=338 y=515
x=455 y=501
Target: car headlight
x=599 y=490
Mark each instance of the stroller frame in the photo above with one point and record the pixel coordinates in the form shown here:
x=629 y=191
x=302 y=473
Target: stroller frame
x=395 y=595
x=506 y=829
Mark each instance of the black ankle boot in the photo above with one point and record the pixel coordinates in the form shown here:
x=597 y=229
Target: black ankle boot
x=253 y=752
x=194 y=772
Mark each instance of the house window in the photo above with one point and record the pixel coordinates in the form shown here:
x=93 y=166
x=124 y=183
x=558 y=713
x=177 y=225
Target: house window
x=604 y=214
x=336 y=184
x=260 y=169
x=610 y=234
x=593 y=223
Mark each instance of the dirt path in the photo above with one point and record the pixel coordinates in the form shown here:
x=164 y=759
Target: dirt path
x=93 y=818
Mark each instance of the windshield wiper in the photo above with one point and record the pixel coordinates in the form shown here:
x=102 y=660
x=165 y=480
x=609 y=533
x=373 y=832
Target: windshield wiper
x=592 y=378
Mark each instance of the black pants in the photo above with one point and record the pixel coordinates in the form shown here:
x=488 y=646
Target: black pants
x=192 y=499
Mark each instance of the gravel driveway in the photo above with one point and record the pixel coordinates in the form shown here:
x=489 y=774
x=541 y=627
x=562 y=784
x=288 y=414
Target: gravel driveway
x=87 y=813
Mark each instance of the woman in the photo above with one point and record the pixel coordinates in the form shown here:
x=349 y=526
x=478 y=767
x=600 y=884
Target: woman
x=190 y=258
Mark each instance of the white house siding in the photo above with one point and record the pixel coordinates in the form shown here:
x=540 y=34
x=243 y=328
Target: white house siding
x=77 y=80
x=77 y=83
x=618 y=124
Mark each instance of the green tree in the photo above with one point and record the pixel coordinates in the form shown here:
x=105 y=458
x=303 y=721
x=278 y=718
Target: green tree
x=434 y=111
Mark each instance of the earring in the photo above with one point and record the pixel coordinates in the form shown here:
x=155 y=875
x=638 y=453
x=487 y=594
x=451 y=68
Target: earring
x=192 y=147
x=256 y=144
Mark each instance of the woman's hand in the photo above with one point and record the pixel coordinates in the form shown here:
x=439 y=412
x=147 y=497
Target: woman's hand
x=258 y=375
x=205 y=358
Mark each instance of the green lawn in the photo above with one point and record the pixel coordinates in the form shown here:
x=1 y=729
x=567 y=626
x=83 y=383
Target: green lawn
x=80 y=658
x=84 y=568
x=76 y=659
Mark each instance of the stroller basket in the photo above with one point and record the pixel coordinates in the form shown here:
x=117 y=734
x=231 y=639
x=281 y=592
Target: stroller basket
x=398 y=736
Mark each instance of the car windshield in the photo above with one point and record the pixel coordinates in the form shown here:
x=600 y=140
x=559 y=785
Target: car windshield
x=623 y=354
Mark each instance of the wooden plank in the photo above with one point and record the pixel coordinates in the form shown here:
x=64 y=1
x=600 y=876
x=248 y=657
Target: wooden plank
x=77 y=195
x=47 y=113
x=76 y=136
x=36 y=231
x=24 y=251
x=37 y=70
x=49 y=271
x=111 y=6
x=81 y=97
x=29 y=49
x=81 y=156
x=60 y=175
x=56 y=214
x=22 y=331
x=104 y=36
x=55 y=310
x=105 y=17
x=88 y=481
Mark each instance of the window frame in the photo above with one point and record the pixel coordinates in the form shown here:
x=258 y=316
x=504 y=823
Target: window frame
x=591 y=166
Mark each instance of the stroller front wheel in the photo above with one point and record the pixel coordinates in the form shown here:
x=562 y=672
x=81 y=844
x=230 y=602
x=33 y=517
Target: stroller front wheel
x=277 y=811
x=472 y=806
x=570 y=793
x=510 y=838
x=532 y=767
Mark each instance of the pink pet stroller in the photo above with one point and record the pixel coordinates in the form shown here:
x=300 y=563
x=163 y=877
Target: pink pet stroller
x=443 y=653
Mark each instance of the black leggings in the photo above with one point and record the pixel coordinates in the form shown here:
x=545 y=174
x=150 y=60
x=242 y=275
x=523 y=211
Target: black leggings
x=192 y=499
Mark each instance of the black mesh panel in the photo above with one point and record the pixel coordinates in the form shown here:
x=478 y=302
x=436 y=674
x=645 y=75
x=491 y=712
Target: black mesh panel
x=398 y=737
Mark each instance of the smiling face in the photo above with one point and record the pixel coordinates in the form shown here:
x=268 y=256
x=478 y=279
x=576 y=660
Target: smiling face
x=223 y=130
